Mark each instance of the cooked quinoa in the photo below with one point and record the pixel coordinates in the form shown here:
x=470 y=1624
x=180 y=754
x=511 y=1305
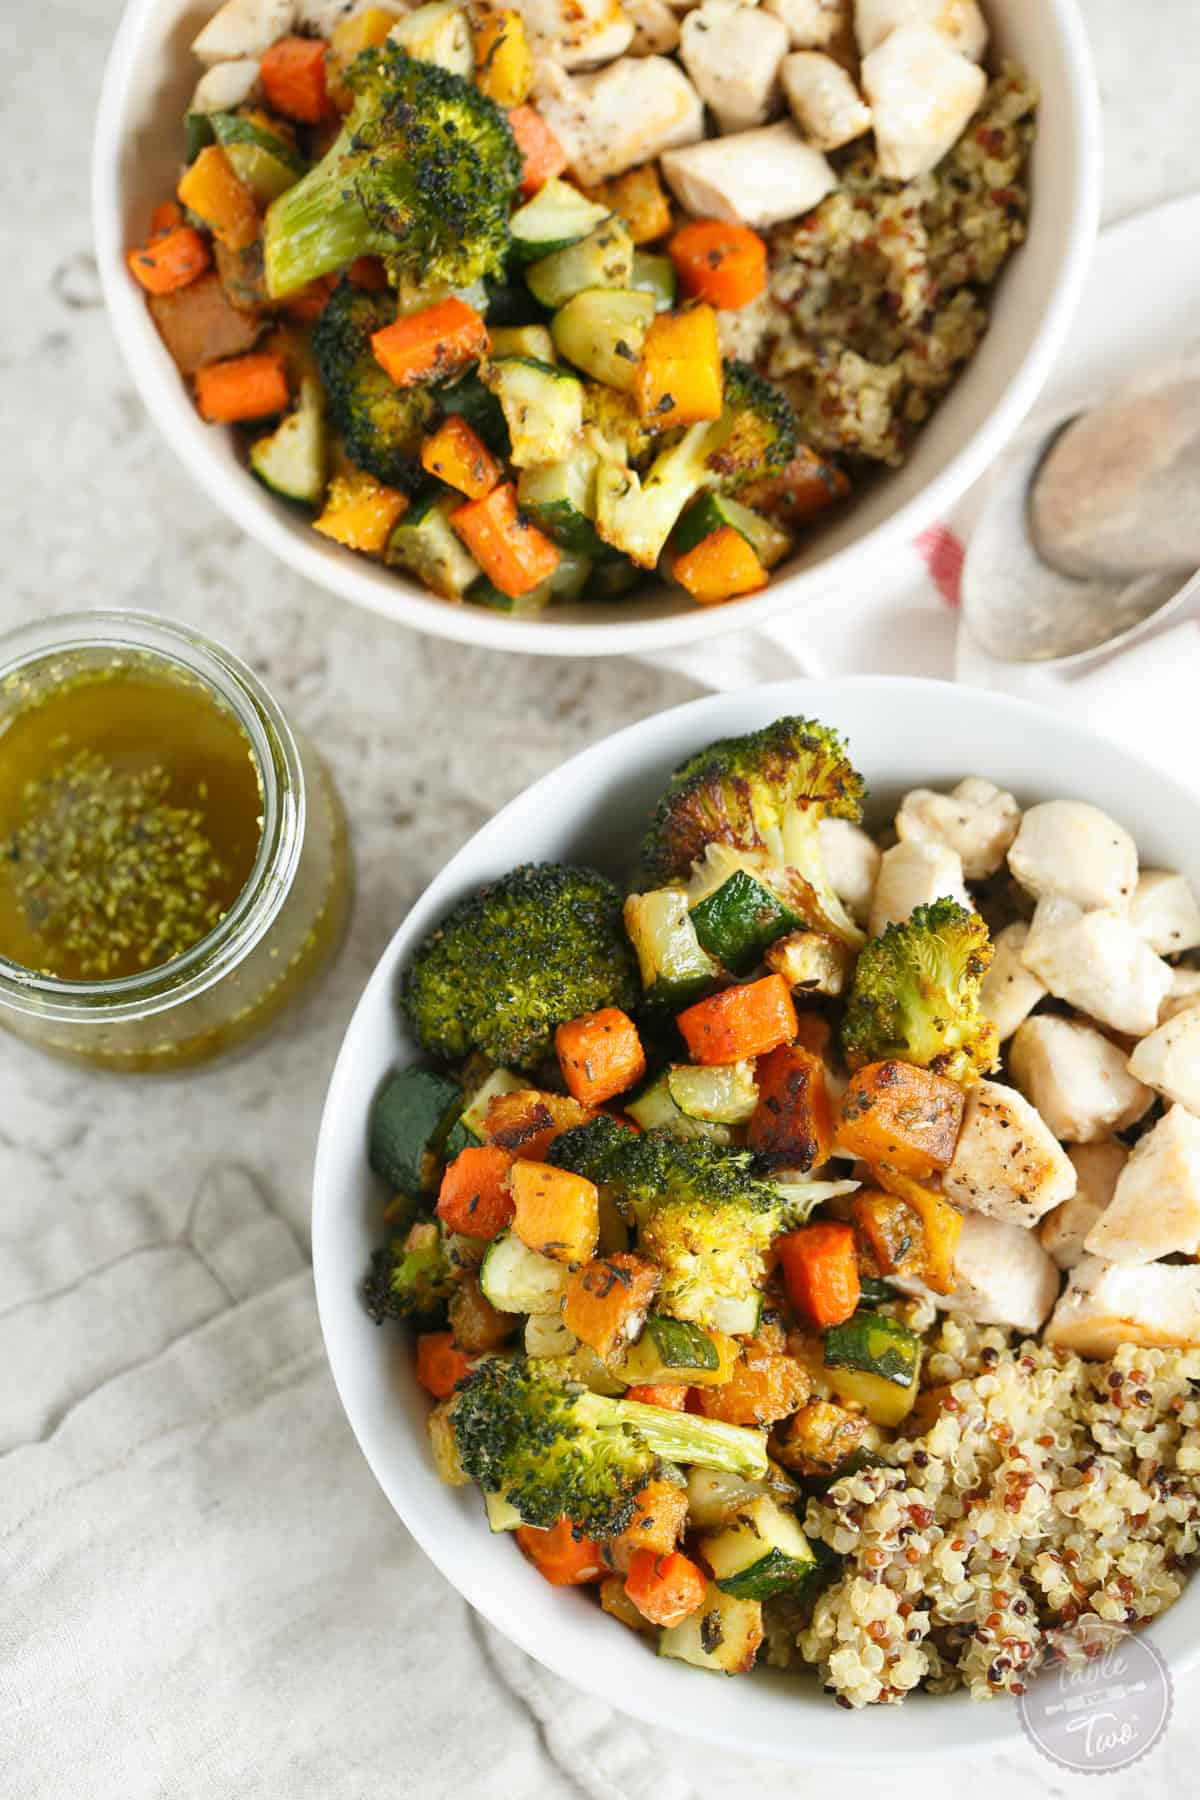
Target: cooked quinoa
x=1043 y=1489
x=879 y=297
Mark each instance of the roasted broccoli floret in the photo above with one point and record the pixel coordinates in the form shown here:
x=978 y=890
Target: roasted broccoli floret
x=380 y=424
x=757 y=439
x=762 y=797
x=412 y=1277
x=423 y=173
x=916 y=995
x=614 y=416
x=556 y=1450
x=520 y=957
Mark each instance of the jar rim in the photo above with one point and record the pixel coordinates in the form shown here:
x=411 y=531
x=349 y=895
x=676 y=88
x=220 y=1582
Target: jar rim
x=131 y=633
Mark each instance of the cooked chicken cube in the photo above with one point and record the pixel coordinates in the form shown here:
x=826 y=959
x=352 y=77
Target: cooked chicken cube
x=914 y=875
x=732 y=53
x=1169 y=1060
x=620 y=116
x=1007 y=1162
x=851 y=858
x=243 y=28
x=960 y=21
x=655 y=27
x=1097 y=1167
x=921 y=93
x=1164 y=910
x=977 y=819
x=1104 y=1306
x=755 y=177
x=824 y=102
x=592 y=31
x=1097 y=962
x=1009 y=991
x=1155 y=1210
x=1003 y=1276
x=317 y=18
x=1075 y=851
x=1077 y=1078
x=1183 y=992
x=810 y=962
x=225 y=86
x=814 y=24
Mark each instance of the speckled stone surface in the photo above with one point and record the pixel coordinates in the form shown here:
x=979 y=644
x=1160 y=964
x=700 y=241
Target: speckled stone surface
x=426 y=739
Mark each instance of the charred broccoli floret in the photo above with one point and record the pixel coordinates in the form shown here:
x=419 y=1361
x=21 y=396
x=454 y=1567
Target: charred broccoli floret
x=757 y=439
x=556 y=1450
x=512 y=962
x=916 y=995
x=423 y=173
x=758 y=800
x=380 y=424
x=412 y=1277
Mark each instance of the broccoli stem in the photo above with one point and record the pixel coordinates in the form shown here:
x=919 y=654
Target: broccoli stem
x=684 y=1438
x=315 y=227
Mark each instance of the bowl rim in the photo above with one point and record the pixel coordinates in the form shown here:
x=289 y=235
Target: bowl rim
x=351 y=578
x=993 y=1728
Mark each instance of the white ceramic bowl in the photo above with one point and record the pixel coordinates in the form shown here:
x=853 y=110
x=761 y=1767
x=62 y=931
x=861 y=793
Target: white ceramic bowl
x=902 y=733
x=149 y=78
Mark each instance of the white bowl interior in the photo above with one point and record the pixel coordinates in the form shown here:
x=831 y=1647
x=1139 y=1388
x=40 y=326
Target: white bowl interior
x=148 y=81
x=902 y=733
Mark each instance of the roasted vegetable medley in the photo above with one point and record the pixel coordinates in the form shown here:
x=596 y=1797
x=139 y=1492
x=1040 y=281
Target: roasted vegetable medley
x=689 y=1172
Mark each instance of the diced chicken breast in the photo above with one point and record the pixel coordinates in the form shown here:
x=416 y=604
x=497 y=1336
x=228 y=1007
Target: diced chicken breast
x=1164 y=910
x=320 y=16
x=1183 y=992
x=851 y=858
x=753 y=178
x=732 y=53
x=1097 y=962
x=622 y=115
x=1077 y=1079
x=914 y=875
x=1009 y=991
x=225 y=86
x=959 y=21
x=921 y=93
x=1075 y=851
x=1097 y=1167
x=1155 y=1210
x=655 y=27
x=826 y=105
x=243 y=28
x=592 y=32
x=1003 y=1276
x=1104 y=1306
x=977 y=819
x=813 y=24
x=1007 y=1162
x=1169 y=1060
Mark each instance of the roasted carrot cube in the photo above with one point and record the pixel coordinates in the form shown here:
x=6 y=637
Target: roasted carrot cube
x=600 y=1055
x=747 y=1020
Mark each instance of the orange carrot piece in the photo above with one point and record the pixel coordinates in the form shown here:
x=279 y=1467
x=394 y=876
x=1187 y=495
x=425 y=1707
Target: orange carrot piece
x=721 y=566
x=658 y=1523
x=665 y=1589
x=813 y=1032
x=292 y=73
x=432 y=344
x=564 y=1554
x=306 y=307
x=167 y=216
x=527 y=1121
x=671 y=1394
x=171 y=261
x=718 y=261
x=555 y=1212
x=244 y=387
x=212 y=191
x=820 y=1272
x=896 y=1114
x=512 y=553
x=474 y=1196
x=793 y=1121
x=461 y=459
x=747 y=1020
x=441 y=1365
x=606 y=1301
x=368 y=272
x=543 y=155
x=678 y=379
x=600 y=1055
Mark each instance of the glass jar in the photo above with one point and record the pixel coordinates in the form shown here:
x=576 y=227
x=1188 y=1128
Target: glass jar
x=277 y=935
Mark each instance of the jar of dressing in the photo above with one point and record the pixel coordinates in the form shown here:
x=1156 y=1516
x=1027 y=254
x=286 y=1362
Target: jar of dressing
x=174 y=869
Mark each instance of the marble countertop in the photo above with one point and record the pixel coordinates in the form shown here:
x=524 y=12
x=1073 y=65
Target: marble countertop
x=95 y=510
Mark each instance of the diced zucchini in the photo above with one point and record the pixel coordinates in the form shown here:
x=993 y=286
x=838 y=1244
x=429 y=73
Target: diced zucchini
x=564 y=584
x=542 y=405
x=654 y=1107
x=463 y=1253
x=502 y=1515
x=259 y=157
x=873 y=1291
x=740 y=1318
x=673 y=1350
x=509 y=303
x=653 y=274
x=760 y=1553
x=521 y=340
x=584 y=1365
x=482 y=411
x=675 y=967
x=197 y=134
x=500 y=1081
x=724 y=1635
x=517 y=1280
x=769 y=542
x=546 y=1335
x=613 y=578
x=291 y=460
x=716 y=1496
x=425 y=542
x=720 y=1094
x=561 y=498
x=734 y=914
x=438 y=33
x=417 y=296
x=409 y=1123
x=460 y=1139
x=602 y=331
x=603 y=259
x=557 y=217
x=876 y=1362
